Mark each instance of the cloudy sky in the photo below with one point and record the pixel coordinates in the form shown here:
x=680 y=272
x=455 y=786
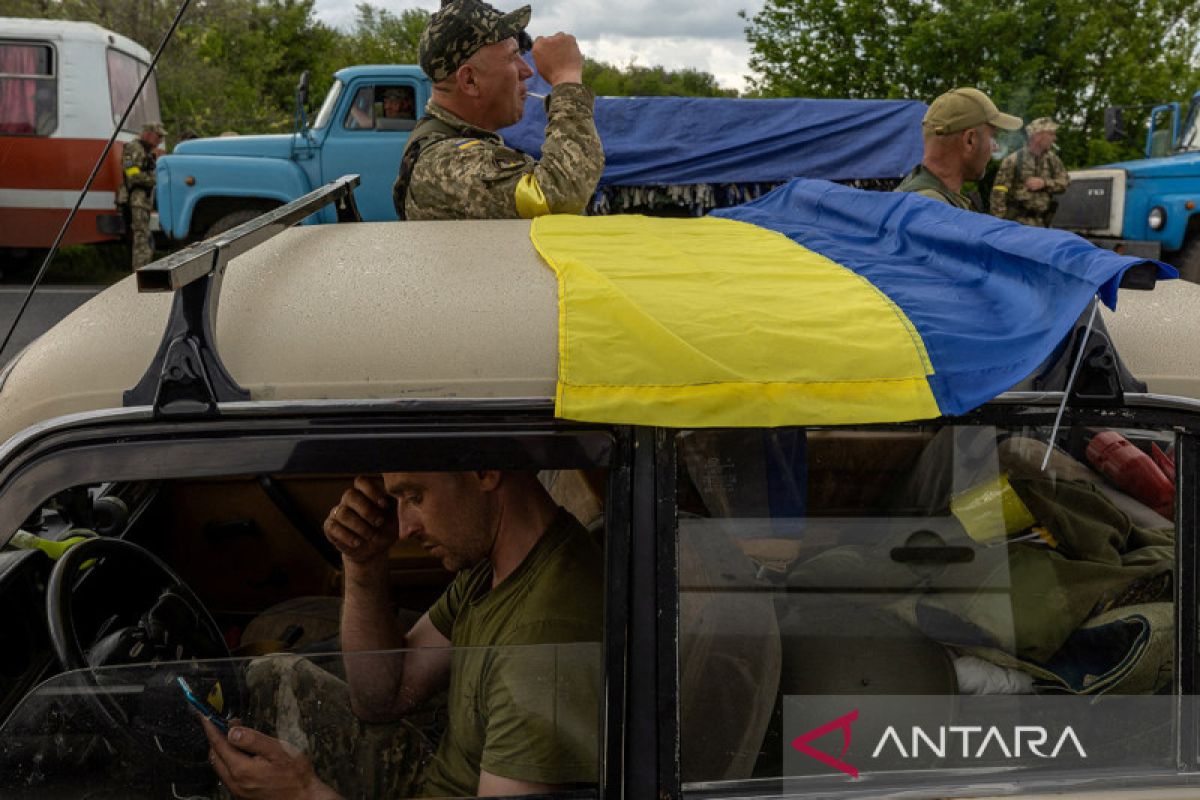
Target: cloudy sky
x=674 y=33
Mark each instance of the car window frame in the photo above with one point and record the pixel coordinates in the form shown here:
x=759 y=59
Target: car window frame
x=52 y=77
x=1026 y=409
x=437 y=434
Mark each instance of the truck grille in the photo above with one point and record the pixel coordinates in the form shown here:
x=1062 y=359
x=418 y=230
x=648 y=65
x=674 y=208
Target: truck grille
x=1087 y=205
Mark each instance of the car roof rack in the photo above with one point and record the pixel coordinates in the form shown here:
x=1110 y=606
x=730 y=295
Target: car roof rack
x=186 y=376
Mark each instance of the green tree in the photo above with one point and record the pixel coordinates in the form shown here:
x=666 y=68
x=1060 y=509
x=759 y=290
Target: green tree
x=634 y=80
x=381 y=37
x=1063 y=58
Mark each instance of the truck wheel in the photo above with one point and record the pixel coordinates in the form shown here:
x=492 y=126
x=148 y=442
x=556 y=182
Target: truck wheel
x=1187 y=260
x=232 y=220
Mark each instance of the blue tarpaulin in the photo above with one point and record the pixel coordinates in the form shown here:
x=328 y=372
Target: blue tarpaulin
x=694 y=140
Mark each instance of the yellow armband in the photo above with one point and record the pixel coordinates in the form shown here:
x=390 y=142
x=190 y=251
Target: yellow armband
x=131 y=171
x=530 y=200
x=999 y=188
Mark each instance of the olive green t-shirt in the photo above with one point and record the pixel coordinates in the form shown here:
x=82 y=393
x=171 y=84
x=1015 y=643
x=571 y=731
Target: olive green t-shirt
x=524 y=704
x=923 y=182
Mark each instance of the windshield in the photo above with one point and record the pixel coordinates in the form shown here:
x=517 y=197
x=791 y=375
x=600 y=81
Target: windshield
x=326 y=112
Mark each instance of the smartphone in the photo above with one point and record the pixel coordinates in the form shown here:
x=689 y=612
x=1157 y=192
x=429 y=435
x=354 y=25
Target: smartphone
x=204 y=708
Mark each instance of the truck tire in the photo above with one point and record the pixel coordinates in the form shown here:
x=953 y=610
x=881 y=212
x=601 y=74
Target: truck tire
x=232 y=220
x=1187 y=260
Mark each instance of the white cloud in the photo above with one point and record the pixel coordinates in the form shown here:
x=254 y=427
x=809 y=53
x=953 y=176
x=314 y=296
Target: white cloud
x=672 y=33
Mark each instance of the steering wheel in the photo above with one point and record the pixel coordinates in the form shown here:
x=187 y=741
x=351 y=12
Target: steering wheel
x=140 y=613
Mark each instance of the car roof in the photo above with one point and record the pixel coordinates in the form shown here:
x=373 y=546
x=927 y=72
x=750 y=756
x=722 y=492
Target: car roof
x=362 y=311
x=393 y=310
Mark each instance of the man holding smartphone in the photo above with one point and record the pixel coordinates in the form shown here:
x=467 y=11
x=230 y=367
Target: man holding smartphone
x=527 y=573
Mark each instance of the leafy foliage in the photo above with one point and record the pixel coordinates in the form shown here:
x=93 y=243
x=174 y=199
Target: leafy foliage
x=1063 y=58
x=610 y=80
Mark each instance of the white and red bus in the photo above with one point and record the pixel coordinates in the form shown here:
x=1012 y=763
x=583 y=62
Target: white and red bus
x=63 y=86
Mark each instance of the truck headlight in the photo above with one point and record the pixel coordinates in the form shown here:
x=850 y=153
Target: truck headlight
x=1157 y=218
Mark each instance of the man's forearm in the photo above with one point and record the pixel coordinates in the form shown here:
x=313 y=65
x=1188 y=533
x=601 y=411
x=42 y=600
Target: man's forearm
x=572 y=156
x=369 y=624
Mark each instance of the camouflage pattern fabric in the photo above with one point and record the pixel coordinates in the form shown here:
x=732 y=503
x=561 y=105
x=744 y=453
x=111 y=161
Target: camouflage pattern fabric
x=137 y=192
x=459 y=29
x=298 y=702
x=477 y=176
x=1011 y=200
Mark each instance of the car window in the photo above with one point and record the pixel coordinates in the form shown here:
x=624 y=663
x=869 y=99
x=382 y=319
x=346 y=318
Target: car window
x=383 y=107
x=228 y=582
x=28 y=89
x=903 y=605
x=124 y=73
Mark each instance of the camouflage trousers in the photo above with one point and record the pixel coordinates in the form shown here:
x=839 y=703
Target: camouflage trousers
x=1037 y=221
x=307 y=706
x=139 y=223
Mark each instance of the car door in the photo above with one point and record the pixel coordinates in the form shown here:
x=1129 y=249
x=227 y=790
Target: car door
x=362 y=140
x=223 y=518
x=925 y=610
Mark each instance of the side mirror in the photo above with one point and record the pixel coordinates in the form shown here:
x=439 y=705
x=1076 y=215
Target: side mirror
x=302 y=89
x=1114 y=125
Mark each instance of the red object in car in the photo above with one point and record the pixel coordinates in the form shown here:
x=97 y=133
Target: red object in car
x=1132 y=471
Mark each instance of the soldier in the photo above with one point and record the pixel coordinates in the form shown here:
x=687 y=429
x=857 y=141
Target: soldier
x=960 y=129
x=1029 y=179
x=455 y=165
x=136 y=193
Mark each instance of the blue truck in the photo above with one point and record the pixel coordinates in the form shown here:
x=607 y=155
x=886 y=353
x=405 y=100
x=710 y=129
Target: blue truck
x=1147 y=207
x=674 y=154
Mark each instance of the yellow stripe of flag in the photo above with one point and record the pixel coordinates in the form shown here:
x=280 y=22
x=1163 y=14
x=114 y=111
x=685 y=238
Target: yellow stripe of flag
x=716 y=323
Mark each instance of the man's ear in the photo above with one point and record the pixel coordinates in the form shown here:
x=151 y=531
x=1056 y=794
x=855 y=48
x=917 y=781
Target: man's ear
x=467 y=79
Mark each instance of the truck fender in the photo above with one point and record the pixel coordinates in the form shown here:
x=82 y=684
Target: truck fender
x=220 y=184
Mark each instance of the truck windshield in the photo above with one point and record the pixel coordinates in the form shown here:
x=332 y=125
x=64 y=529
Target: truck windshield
x=326 y=112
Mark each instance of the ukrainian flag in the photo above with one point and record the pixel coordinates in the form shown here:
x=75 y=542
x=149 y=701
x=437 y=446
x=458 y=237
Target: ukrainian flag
x=814 y=305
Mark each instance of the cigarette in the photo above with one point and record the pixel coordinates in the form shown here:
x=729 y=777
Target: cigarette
x=535 y=94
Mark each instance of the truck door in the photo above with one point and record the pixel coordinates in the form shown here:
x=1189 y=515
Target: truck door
x=368 y=138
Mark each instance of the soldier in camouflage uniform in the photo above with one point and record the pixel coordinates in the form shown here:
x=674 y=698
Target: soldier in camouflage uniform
x=455 y=165
x=136 y=193
x=959 y=128
x=1029 y=179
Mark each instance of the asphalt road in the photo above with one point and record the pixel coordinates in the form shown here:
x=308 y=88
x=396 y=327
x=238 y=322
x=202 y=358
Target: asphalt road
x=49 y=305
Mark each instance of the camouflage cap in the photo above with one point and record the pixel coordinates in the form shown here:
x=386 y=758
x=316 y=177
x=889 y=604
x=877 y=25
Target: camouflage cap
x=393 y=92
x=1041 y=124
x=459 y=29
x=154 y=127
x=963 y=108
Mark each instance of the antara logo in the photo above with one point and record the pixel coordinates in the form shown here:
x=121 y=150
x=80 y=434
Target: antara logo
x=952 y=740
x=843 y=722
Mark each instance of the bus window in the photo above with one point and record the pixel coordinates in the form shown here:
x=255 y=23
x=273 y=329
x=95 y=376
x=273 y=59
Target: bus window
x=28 y=91
x=124 y=73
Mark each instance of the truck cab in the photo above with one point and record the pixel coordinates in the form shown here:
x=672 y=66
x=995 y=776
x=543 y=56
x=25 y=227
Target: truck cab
x=210 y=185
x=1148 y=206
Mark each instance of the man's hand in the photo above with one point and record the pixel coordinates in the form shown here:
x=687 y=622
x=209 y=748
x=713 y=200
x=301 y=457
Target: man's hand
x=363 y=526
x=255 y=766
x=1035 y=184
x=558 y=58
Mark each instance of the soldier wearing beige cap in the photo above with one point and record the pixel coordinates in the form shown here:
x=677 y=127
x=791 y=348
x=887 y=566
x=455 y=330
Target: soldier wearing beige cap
x=960 y=128
x=1029 y=180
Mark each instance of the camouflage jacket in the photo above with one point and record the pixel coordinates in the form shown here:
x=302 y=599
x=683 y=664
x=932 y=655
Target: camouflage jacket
x=923 y=182
x=476 y=176
x=1011 y=200
x=137 y=170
